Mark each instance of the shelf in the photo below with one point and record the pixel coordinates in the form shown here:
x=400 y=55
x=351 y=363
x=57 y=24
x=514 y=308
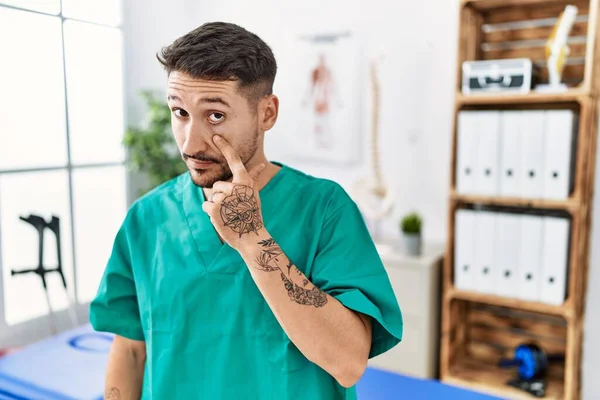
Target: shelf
x=501 y=301
x=485 y=5
x=485 y=377
x=570 y=96
x=570 y=205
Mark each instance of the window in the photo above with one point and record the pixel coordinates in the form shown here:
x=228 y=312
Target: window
x=61 y=126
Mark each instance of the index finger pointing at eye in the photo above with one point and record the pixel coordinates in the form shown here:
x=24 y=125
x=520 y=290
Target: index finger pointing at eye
x=232 y=157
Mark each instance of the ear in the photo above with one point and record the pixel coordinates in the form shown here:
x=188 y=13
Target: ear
x=269 y=110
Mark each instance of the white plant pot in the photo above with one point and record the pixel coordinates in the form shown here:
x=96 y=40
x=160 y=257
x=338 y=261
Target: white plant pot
x=412 y=244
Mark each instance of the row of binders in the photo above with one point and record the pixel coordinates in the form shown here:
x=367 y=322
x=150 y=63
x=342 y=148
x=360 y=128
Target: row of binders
x=516 y=153
x=521 y=256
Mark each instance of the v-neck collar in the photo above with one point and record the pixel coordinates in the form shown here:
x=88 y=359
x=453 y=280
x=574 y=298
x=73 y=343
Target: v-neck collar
x=215 y=256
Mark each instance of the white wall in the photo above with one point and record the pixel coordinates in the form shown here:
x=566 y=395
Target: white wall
x=591 y=342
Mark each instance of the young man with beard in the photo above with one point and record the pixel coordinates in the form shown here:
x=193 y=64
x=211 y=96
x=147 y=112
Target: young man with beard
x=244 y=278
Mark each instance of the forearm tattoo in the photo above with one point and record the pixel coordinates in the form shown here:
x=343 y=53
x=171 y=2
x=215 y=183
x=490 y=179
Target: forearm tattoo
x=314 y=296
x=268 y=261
x=240 y=211
x=113 y=394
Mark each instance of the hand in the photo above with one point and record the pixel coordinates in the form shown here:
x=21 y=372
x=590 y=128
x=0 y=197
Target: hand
x=234 y=207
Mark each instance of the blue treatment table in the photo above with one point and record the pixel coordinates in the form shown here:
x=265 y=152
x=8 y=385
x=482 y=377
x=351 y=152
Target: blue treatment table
x=377 y=384
x=68 y=366
x=72 y=366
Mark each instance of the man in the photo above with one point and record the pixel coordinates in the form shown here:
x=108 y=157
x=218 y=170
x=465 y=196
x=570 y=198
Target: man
x=244 y=278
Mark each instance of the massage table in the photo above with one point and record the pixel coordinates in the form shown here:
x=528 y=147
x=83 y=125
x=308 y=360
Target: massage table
x=72 y=364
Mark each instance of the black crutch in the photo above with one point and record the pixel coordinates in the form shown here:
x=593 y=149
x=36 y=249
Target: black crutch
x=40 y=225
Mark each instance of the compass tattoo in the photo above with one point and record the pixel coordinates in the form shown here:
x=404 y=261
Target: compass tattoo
x=268 y=261
x=240 y=211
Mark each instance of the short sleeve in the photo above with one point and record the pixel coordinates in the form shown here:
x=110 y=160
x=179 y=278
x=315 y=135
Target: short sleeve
x=115 y=308
x=348 y=267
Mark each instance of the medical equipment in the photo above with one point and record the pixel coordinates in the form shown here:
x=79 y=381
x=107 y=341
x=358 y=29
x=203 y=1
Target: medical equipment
x=532 y=364
x=40 y=224
x=514 y=76
x=557 y=50
x=374 y=197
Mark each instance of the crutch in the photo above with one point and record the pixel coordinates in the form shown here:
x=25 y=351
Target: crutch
x=40 y=225
x=54 y=226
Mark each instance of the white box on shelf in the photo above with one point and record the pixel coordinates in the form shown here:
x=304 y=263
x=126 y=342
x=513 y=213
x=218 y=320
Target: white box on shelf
x=466 y=157
x=529 y=268
x=508 y=243
x=532 y=154
x=555 y=260
x=485 y=257
x=487 y=162
x=510 y=154
x=464 y=249
x=558 y=154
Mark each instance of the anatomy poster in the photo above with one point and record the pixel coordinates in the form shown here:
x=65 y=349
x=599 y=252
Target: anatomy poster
x=325 y=95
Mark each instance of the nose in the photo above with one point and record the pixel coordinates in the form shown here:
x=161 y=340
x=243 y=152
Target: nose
x=195 y=139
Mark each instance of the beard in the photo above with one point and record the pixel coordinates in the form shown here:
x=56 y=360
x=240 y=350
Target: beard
x=219 y=170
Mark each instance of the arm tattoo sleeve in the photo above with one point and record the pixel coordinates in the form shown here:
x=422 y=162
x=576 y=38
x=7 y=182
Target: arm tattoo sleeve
x=314 y=296
x=113 y=394
x=268 y=261
x=240 y=211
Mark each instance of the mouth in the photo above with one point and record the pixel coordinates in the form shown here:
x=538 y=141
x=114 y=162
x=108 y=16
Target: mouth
x=199 y=164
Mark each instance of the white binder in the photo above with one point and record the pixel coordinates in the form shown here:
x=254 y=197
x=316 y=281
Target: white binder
x=485 y=260
x=488 y=155
x=464 y=246
x=466 y=153
x=507 y=242
x=555 y=260
x=558 y=144
x=532 y=157
x=529 y=269
x=510 y=154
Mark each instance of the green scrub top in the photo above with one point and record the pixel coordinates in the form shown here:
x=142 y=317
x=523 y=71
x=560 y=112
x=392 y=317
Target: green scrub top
x=209 y=333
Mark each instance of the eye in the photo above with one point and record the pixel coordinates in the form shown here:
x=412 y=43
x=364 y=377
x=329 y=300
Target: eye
x=216 y=117
x=180 y=112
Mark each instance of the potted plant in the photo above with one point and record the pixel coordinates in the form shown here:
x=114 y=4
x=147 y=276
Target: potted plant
x=151 y=148
x=411 y=225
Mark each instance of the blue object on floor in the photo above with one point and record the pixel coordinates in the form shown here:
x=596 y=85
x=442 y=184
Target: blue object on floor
x=67 y=366
x=377 y=384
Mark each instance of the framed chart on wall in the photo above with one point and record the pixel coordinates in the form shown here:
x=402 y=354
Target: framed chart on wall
x=324 y=97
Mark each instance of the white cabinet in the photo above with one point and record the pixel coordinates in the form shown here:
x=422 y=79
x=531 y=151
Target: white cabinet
x=415 y=281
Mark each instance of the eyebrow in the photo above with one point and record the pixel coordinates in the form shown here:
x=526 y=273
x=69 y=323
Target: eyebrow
x=203 y=100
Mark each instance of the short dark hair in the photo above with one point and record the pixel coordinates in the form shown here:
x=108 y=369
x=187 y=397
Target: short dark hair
x=223 y=51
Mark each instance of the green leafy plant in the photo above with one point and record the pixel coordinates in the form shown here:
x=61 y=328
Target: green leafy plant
x=411 y=223
x=151 y=148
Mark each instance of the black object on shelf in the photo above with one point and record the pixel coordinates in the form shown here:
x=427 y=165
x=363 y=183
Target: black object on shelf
x=532 y=368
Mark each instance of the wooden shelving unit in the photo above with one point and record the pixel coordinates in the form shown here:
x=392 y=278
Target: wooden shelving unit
x=482 y=298
x=471 y=373
x=570 y=96
x=477 y=328
x=571 y=205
